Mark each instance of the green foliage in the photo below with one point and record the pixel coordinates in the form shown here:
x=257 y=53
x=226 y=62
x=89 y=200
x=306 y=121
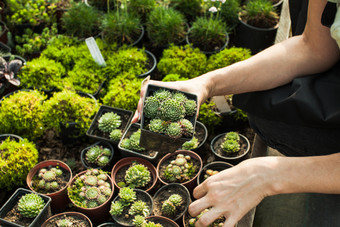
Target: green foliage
x=227 y=57
x=42 y=73
x=171 y=110
x=260 y=13
x=229 y=12
x=168 y=208
x=115 y=135
x=30 y=205
x=46 y=181
x=31 y=42
x=230 y=146
x=208 y=116
x=117 y=208
x=127 y=196
x=121 y=27
x=68 y=106
x=191 y=144
x=98 y=155
x=232 y=136
x=151 y=106
x=173 y=77
x=22 y=114
x=174 y=130
x=182 y=60
x=165 y=26
x=81 y=20
x=141 y=7
x=157 y=125
x=137 y=176
x=132 y=143
x=176 y=199
x=152 y=224
x=109 y=121
x=189 y=8
x=138 y=221
x=139 y=207
x=16 y=160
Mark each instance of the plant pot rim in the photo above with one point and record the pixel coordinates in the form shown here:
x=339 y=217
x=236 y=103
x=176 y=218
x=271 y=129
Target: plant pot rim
x=105 y=145
x=153 y=57
x=11 y=135
x=257 y=28
x=163 y=218
x=42 y=164
x=127 y=161
x=167 y=156
x=225 y=157
x=69 y=213
x=205 y=137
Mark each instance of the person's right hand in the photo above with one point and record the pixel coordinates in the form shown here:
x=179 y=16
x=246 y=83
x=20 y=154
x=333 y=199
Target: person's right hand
x=193 y=86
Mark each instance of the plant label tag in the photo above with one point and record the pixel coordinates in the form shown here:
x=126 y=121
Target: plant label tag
x=95 y=52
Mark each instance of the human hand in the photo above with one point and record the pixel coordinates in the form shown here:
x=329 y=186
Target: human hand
x=232 y=192
x=191 y=86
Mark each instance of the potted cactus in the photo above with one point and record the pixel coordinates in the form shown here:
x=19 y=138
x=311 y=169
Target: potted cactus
x=168 y=118
x=51 y=178
x=90 y=192
x=130 y=206
x=109 y=124
x=171 y=201
x=211 y=169
x=135 y=173
x=98 y=156
x=25 y=208
x=181 y=167
x=68 y=219
x=197 y=142
x=231 y=147
x=160 y=221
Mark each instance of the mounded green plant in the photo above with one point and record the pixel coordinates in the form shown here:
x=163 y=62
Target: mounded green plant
x=180 y=169
x=98 y=155
x=30 y=205
x=208 y=116
x=157 y=125
x=138 y=221
x=227 y=57
x=22 y=113
x=152 y=224
x=68 y=106
x=191 y=144
x=116 y=135
x=132 y=143
x=81 y=20
x=189 y=8
x=170 y=205
x=109 y=121
x=141 y=7
x=173 y=77
x=231 y=142
x=42 y=73
x=139 y=207
x=229 y=11
x=182 y=60
x=16 y=160
x=47 y=180
x=164 y=26
x=127 y=196
x=137 y=176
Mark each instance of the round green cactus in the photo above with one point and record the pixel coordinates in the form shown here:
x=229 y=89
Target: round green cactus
x=134 y=141
x=157 y=125
x=92 y=193
x=232 y=136
x=162 y=94
x=179 y=96
x=230 y=146
x=30 y=205
x=171 y=110
x=64 y=223
x=16 y=160
x=176 y=199
x=151 y=107
x=187 y=127
x=127 y=195
x=49 y=176
x=168 y=208
x=98 y=155
x=92 y=154
x=190 y=107
x=139 y=207
x=115 y=135
x=180 y=169
x=116 y=208
x=137 y=176
x=109 y=121
x=174 y=130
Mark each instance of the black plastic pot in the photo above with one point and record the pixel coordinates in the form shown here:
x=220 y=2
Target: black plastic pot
x=154 y=64
x=87 y=165
x=161 y=142
x=13 y=200
x=107 y=224
x=218 y=165
x=95 y=133
x=12 y=136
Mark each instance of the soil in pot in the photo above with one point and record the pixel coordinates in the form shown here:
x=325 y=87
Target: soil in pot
x=68 y=219
x=244 y=147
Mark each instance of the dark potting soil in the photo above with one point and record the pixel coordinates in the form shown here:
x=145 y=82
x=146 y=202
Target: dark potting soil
x=120 y=177
x=221 y=152
x=73 y=220
x=14 y=216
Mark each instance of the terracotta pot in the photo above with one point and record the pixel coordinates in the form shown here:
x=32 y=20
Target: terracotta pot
x=88 y=165
x=162 y=194
x=190 y=184
x=76 y=214
x=125 y=162
x=231 y=159
x=218 y=165
x=162 y=220
x=59 y=198
x=99 y=213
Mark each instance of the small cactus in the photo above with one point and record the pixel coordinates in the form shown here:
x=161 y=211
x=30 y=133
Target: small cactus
x=138 y=221
x=116 y=208
x=48 y=179
x=162 y=95
x=230 y=146
x=157 y=125
x=98 y=155
x=139 y=207
x=168 y=208
x=190 y=107
x=174 y=130
x=232 y=136
x=64 y=223
x=132 y=143
x=127 y=195
x=115 y=135
x=187 y=127
x=180 y=169
x=137 y=175
x=109 y=121
x=171 y=110
x=176 y=199
x=30 y=205
x=151 y=107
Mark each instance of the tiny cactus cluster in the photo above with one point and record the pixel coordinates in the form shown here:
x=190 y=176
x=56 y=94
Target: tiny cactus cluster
x=170 y=206
x=231 y=142
x=167 y=112
x=30 y=205
x=98 y=155
x=209 y=173
x=48 y=179
x=109 y=123
x=132 y=143
x=90 y=189
x=139 y=221
x=191 y=144
x=180 y=169
x=137 y=176
x=219 y=222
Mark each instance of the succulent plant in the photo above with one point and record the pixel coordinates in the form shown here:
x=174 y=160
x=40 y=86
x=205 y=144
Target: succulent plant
x=162 y=95
x=64 y=223
x=30 y=205
x=168 y=208
x=180 y=97
x=176 y=199
x=230 y=146
x=151 y=107
x=152 y=224
x=180 y=169
x=116 y=208
x=174 y=130
x=157 y=125
x=209 y=173
x=138 y=221
x=191 y=144
x=171 y=110
x=139 y=207
x=132 y=143
x=115 y=135
x=137 y=176
x=190 y=107
x=232 y=136
x=109 y=121
x=127 y=195
x=9 y=70
x=98 y=155
x=187 y=127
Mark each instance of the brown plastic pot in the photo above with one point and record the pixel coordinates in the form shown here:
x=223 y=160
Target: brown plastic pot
x=162 y=220
x=99 y=213
x=59 y=198
x=127 y=162
x=77 y=214
x=190 y=184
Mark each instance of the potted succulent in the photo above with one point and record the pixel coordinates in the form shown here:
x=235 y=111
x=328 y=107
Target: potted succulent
x=191 y=9
x=97 y=156
x=130 y=206
x=160 y=221
x=90 y=192
x=211 y=169
x=181 y=167
x=25 y=208
x=9 y=69
x=168 y=118
x=68 y=219
x=171 y=201
x=231 y=147
x=51 y=178
x=135 y=173
x=109 y=124
x=189 y=221
x=258 y=25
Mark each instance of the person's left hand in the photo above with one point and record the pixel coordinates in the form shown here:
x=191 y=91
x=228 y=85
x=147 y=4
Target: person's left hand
x=233 y=192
